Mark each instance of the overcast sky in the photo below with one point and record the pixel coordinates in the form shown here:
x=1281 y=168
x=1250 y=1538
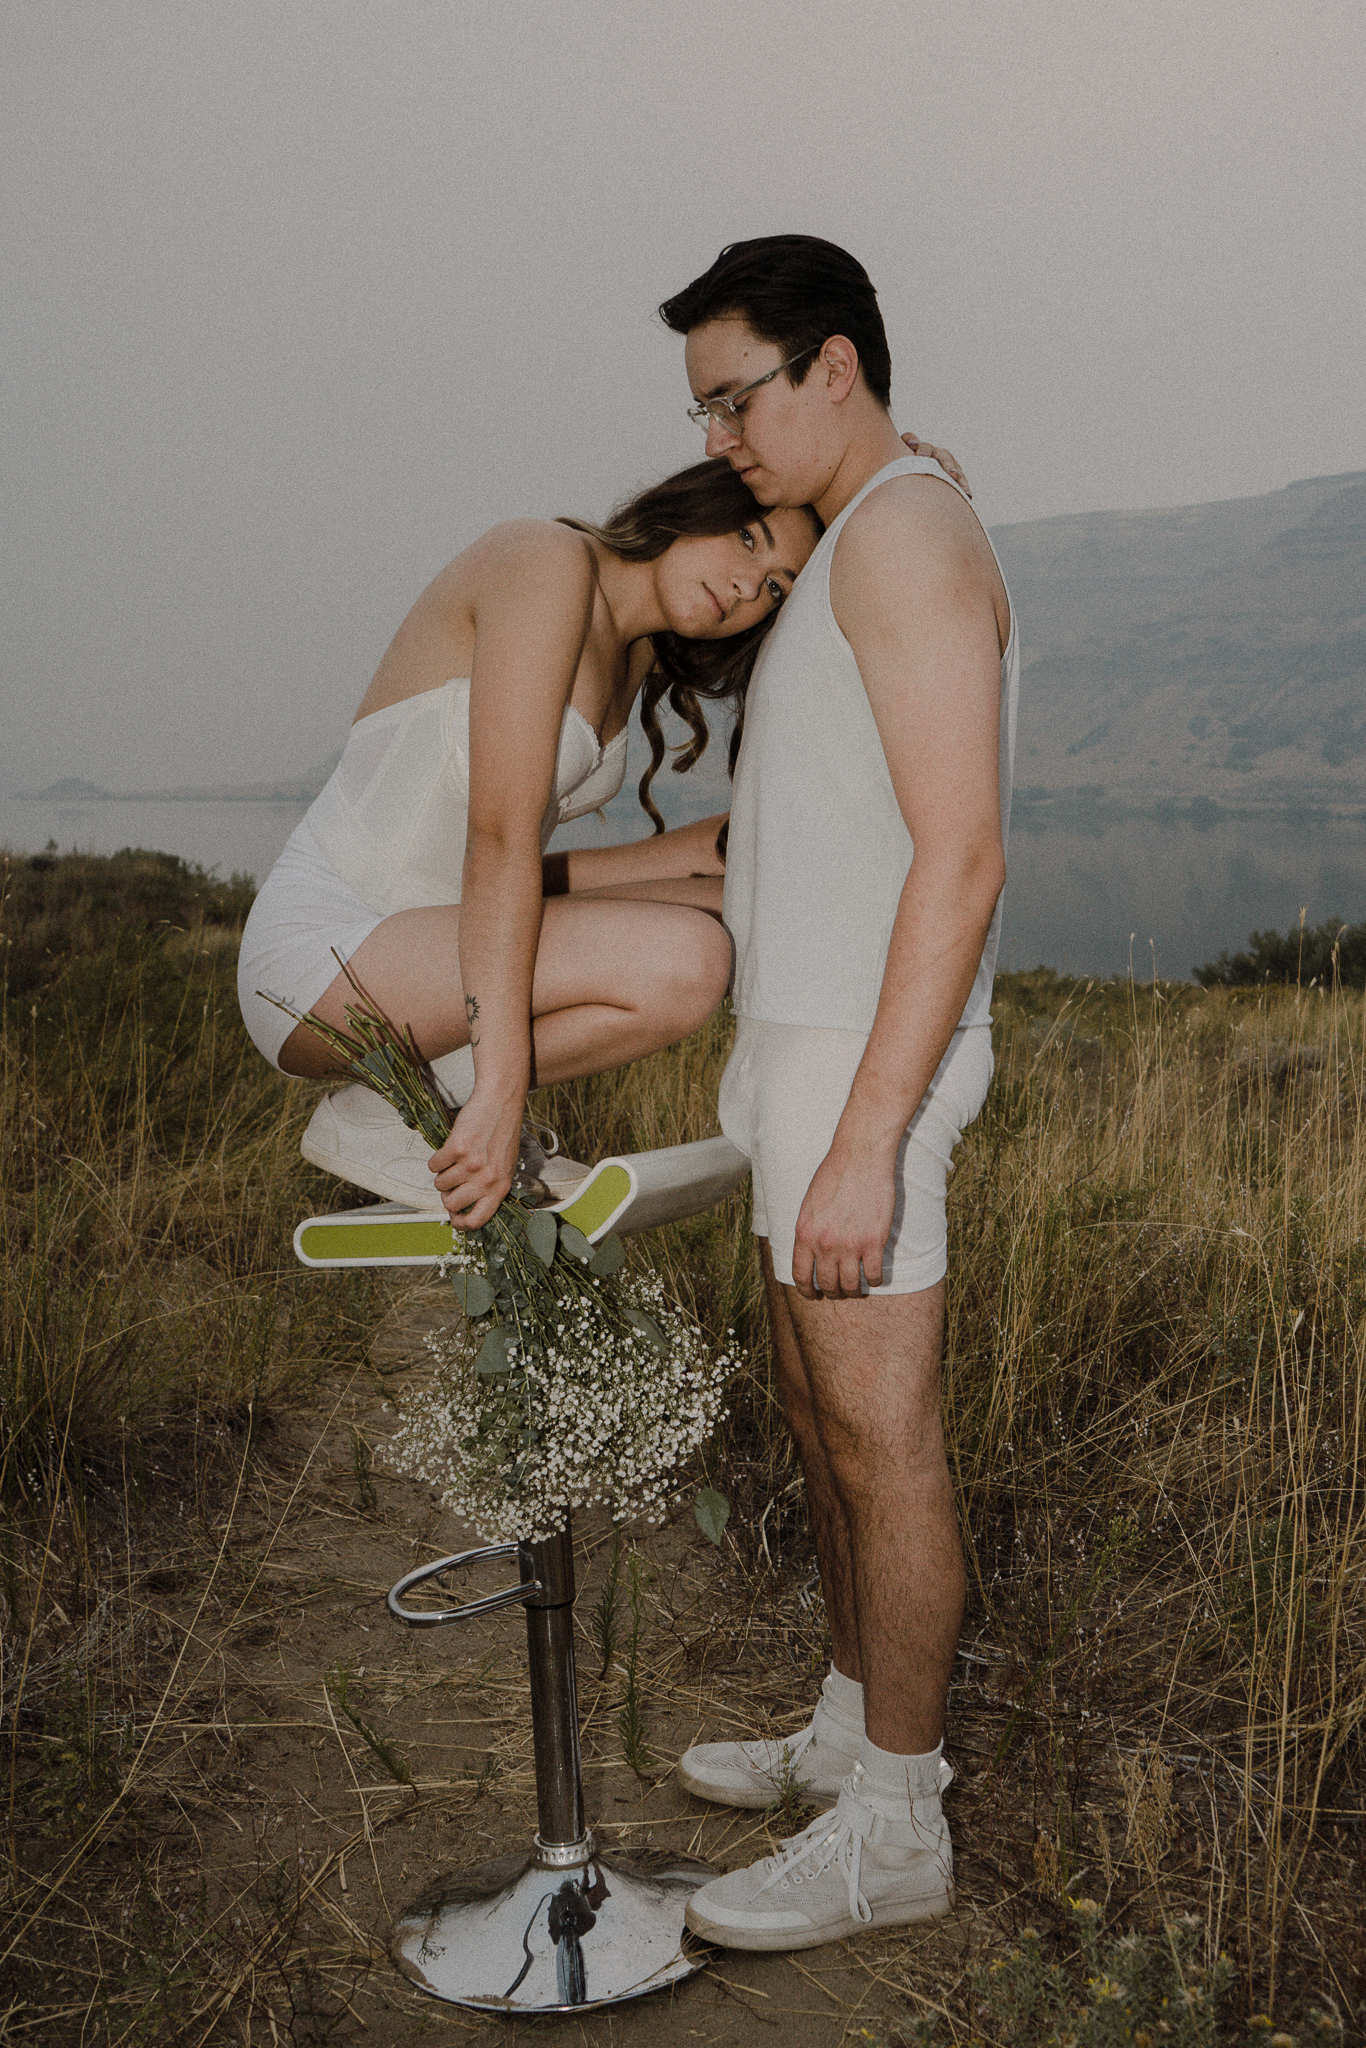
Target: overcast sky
x=299 y=297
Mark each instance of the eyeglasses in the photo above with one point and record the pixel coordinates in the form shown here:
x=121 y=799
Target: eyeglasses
x=726 y=411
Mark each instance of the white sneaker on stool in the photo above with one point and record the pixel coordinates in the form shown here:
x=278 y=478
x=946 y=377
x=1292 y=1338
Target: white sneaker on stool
x=356 y=1135
x=818 y=1759
x=857 y=1868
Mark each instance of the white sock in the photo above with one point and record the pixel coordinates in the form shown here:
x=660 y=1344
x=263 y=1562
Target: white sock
x=843 y=1698
x=893 y=1780
x=455 y=1072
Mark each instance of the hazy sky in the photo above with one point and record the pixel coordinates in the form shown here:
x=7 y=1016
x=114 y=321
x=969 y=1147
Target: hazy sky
x=300 y=297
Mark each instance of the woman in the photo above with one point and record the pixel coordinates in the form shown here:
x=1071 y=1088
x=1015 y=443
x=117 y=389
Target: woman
x=499 y=711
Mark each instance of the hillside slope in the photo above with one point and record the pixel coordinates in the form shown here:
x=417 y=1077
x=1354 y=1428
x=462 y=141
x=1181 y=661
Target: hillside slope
x=1207 y=653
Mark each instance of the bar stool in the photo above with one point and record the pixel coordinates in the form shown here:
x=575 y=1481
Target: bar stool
x=556 y=1927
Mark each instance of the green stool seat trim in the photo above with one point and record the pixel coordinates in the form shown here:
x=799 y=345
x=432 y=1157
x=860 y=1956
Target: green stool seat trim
x=637 y=1192
x=390 y=1235
x=595 y=1207
x=399 y=1238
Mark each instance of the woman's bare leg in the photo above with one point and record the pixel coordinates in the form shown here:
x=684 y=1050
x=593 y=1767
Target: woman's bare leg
x=614 y=980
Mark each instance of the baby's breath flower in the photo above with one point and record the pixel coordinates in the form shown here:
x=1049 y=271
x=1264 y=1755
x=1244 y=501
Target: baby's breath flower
x=601 y=1418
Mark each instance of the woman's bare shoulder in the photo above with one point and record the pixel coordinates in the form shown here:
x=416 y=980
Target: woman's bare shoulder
x=521 y=569
x=515 y=544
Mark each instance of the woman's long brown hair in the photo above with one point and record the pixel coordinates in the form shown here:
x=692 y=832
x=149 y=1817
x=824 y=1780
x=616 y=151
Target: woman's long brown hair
x=706 y=499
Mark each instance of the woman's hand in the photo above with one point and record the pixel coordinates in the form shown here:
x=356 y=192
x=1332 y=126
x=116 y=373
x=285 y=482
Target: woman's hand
x=948 y=463
x=475 y=1166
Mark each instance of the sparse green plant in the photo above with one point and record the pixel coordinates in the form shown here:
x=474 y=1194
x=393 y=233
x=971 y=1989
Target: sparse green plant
x=1115 y=1549
x=338 y=1683
x=81 y=1751
x=631 y=1719
x=367 y=1500
x=1129 y=1991
x=1269 y=1604
x=787 y=1815
x=602 y=1622
x=489 y=1772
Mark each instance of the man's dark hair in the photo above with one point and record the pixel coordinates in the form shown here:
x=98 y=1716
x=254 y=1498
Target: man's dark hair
x=795 y=291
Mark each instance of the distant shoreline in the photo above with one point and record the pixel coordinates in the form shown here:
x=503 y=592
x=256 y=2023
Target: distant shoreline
x=1083 y=809
x=223 y=793
x=1081 y=806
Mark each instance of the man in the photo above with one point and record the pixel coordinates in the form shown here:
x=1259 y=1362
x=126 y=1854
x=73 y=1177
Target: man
x=864 y=870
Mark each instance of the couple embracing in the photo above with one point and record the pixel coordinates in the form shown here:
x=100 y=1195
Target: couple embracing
x=842 y=596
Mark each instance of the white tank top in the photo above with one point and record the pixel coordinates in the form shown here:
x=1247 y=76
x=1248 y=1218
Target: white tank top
x=392 y=819
x=818 y=851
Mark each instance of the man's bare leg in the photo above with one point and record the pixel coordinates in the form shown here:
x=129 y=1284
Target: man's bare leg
x=821 y=1756
x=860 y=1379
x=871 y=1373
x=828 y=1521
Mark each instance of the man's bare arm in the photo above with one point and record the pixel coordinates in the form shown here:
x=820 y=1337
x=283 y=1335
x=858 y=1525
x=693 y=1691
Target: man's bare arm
x=916 y=591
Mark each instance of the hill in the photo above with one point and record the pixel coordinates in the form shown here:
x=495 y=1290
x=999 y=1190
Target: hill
x=1200 y=656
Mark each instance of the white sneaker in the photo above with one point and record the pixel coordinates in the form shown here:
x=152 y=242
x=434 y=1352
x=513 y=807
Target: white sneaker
x=355 y=1134
x=560 y=1176
x=853 y=1869
x=818 y=1759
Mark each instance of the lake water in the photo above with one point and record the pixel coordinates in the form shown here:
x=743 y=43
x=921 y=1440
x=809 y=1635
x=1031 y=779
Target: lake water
x=1185 y=892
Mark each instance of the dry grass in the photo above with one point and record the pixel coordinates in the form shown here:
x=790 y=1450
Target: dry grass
x=1154 y=1391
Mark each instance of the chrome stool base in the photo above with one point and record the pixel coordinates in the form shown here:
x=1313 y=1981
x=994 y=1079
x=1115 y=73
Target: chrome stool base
x=563 y=1928
x=517 y=1936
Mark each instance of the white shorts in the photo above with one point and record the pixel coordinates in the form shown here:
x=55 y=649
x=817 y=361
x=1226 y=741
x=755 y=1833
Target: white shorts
x=301 y=913
x=781 y=1097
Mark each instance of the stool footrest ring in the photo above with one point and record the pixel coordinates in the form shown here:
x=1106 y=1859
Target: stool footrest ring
x=488 y=1603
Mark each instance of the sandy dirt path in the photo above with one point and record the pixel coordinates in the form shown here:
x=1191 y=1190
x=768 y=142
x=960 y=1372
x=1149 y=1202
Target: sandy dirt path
x=350 y=1761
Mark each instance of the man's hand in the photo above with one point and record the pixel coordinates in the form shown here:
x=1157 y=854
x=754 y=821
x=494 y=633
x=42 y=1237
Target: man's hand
x=948 y=463
x=843 y=1223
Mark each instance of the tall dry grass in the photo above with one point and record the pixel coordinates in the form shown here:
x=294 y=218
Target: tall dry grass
x=150 y=1317
x=1154 y=1394
x=1156 y=1398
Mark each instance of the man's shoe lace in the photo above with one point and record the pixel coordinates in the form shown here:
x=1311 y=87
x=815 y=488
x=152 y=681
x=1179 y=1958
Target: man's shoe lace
x=836 y=1839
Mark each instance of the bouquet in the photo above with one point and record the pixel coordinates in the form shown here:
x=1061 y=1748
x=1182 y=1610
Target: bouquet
x=567 y=1385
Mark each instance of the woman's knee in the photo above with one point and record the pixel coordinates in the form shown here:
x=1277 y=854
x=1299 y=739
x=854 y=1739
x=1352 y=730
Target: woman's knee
x=693 y=971
x=716 y=961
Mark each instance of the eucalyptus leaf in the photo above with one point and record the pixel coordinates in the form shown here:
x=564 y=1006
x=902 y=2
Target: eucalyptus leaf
x=491 y=1361
x=542 y=1234
x=649 y=1329
x=473 y=1292
x=575 y=1243
x=608 y=1257
x=712 y=1512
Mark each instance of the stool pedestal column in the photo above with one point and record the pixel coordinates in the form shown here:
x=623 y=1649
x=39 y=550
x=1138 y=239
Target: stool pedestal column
x=558 y=1928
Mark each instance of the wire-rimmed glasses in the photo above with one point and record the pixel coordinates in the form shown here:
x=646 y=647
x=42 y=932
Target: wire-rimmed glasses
x=726 y=411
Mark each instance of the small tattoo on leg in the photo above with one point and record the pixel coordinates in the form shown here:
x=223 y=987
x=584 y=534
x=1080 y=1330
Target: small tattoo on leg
x=471 y=1017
